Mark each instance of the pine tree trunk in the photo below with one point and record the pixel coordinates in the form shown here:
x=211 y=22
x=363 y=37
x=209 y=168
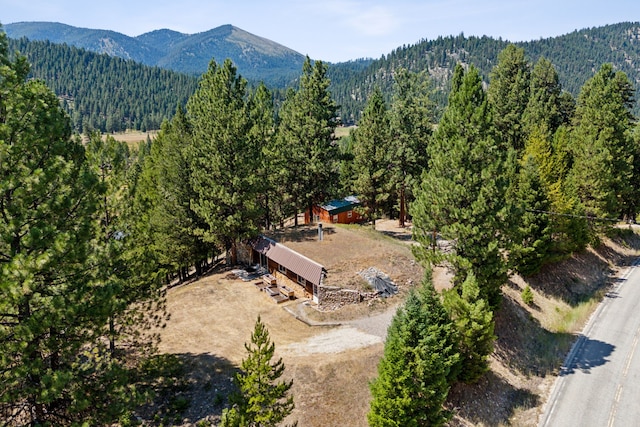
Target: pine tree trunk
x=403 y=214
x=267 y=216
x=234 y=253
x=112 y=337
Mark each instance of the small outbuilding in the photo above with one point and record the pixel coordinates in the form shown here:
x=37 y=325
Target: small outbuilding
x=338 y=211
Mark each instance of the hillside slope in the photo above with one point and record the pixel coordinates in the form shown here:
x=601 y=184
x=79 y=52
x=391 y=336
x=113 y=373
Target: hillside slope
x=101 y=92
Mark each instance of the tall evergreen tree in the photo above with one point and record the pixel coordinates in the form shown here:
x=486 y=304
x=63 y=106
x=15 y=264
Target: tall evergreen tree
x=174 y=224
x=546 y=119
x=137 y=301
x=308 y=154
x=532 y=239
x=370 y=163
x=347 y=172
x=461 y=198
x=223 y=159
x=508 y=96
x=52 y=310
x=602 y=145
x=262 y=115
x=544 y=110
x=418 y=366
x=108 y=158
x=262 y=399
x=412 y=117
x=634 y=201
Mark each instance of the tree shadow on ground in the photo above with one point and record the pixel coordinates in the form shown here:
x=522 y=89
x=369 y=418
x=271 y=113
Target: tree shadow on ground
x=573 y=280
x=196 y=389
x=398 y=235
x=483 y=403
x=589 y=354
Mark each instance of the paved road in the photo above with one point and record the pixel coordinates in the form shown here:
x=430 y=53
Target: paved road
x=599 y=384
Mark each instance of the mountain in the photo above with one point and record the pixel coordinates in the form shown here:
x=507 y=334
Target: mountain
x=576 y=56
x=100 y=41
x=255 y=57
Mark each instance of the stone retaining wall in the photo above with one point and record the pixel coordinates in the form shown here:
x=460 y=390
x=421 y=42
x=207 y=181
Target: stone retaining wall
x=333 y=297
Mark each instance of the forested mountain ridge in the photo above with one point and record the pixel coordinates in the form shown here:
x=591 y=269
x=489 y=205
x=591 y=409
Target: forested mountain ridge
x=255 y=57
x=576 y=56
x=106 y=105
x=101 y=92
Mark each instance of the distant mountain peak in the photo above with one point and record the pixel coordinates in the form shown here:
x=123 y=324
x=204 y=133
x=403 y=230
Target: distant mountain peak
x=254 y=56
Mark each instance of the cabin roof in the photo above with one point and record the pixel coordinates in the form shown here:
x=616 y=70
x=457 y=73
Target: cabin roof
x=337 y=206
x=293 y=261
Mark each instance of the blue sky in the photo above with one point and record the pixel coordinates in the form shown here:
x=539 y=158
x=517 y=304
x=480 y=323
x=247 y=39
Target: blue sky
x=334 y=30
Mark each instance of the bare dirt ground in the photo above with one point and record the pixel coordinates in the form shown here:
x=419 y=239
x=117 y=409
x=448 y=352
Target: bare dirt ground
x=332 y=362
x=346 y=250
x=213 y=318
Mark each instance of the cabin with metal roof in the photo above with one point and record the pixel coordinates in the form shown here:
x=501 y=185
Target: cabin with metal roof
x=337 y=211
x=289 y=267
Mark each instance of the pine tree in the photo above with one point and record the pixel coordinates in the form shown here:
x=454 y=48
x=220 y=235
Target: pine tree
x=347 y=172
x=474 y=323
x=173 y=222
x=370 y=164
x=262 y=400
x=223 y=159
x=461 y=198
x=412 y=117
x=55 y=369
x=262 y=117
x=602 y=146
x=508 y=96
x=306 y=153
x=418 y=366
x=108 y=159
x=634 y=199
x=544 y=108
x=533 y=235
x=549 y=155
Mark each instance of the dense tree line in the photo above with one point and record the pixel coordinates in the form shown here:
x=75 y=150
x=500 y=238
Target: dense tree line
x=226 y=166
x=111 y=94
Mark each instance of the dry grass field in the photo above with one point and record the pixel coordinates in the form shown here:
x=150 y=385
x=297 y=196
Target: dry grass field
x=132 y=138
x=332 y=362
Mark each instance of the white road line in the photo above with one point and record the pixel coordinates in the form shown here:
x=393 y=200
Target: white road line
x=614 y=407
x=625 y=371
